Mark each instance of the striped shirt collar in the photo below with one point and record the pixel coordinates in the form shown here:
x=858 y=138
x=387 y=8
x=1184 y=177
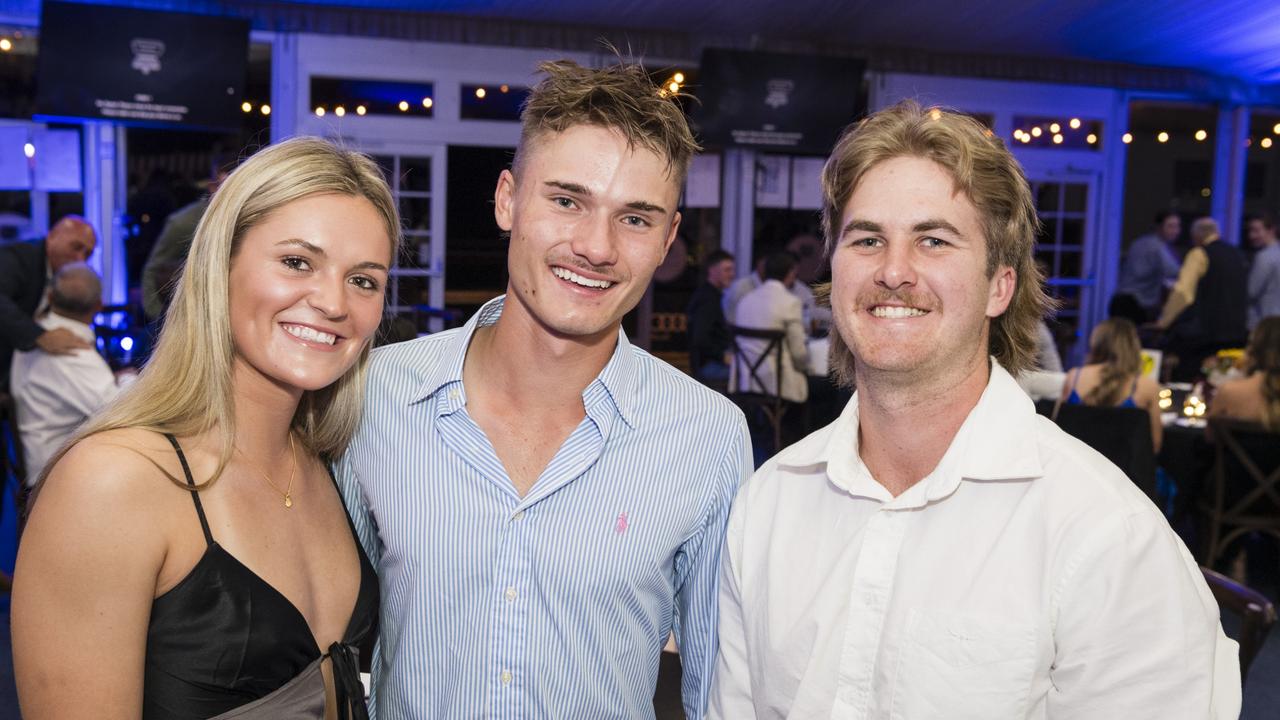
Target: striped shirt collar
x=616 y=382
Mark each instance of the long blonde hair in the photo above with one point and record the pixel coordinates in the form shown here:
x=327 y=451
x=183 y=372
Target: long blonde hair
x=1114 y=344
x=185 y=389
x=1263 y=356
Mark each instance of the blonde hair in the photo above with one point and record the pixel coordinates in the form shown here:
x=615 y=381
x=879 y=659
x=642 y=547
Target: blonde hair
x=620 y=97
x=185 y=389
x=1114 y=344
x=1263 y=356
x=986 y=172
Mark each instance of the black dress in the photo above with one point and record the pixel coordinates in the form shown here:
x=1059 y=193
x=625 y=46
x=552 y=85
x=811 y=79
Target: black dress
x=223 y=637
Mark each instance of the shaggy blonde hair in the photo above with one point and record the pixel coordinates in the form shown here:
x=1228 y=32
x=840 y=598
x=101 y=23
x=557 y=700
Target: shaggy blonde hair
x=984 y=170
x=185 y=389
x=620 y=97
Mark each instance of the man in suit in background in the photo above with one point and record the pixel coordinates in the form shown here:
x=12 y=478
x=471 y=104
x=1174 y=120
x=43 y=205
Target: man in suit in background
x=25 y=272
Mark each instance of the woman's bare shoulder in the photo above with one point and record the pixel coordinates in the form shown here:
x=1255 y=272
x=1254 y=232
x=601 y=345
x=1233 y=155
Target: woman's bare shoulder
x=115 y=462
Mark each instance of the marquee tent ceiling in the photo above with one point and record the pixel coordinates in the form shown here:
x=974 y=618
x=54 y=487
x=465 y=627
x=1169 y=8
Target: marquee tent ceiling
x=1233 y=38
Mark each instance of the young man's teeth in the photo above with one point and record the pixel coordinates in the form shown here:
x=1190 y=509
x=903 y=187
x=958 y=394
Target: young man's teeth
x=577 y=279
x=311 y=334
x=882 y=311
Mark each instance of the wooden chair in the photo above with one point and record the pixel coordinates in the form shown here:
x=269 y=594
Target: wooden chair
x=753 y=352
x=1244 y=487
x=1256 y=612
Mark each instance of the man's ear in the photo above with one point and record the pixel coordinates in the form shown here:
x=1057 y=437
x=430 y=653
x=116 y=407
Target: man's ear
x=503 y=197
x=1002 y=285
x=671 y=234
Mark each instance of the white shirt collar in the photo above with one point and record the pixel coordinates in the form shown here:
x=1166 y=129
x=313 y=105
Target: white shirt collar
x=993 y=443
x=52 y=320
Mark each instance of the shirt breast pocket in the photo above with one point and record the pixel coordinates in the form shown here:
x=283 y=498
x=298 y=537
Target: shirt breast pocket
x=959 y=666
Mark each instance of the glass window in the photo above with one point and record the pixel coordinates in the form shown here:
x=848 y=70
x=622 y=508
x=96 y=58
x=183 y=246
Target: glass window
x=350 y=97
x=492 y=102
x=1069 y=133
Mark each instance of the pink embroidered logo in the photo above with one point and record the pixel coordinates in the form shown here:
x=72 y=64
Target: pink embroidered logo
x=622 y=524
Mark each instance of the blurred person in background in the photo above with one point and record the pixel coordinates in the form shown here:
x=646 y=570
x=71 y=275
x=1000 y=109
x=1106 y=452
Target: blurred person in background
x=1148 y=267
x=1206 y=309
x=1264 y=272
x=25 y=272
x=1112 y=375
x=188 y=553
x=55 y=394
x=708 y=330
x=772 y=306
x=1255 y=397
x=169 y=252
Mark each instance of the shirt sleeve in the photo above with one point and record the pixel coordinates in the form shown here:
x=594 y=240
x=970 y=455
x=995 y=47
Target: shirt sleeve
x=1184 y=290
x=1169 y=265
x=1137 y=633
x=697 y=597
x=731 y=693
x=367 y=532
x=353 y=498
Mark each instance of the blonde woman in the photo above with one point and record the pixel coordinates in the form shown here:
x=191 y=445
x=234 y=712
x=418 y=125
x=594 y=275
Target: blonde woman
x=1112 y=375
x=1255 y=397
x=188 y=555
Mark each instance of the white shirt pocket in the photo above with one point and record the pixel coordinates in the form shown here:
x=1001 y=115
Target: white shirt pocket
x=960 y=666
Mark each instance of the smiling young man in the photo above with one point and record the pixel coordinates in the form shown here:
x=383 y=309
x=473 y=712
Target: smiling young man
x=941 y=551
x=545 y=502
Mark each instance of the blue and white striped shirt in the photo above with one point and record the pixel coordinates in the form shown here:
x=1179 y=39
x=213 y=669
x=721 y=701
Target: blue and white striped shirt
x=557 y=604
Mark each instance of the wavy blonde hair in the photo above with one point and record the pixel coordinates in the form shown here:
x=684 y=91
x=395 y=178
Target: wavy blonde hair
x=984 y=170
x=185 y=389
x=1115 y=345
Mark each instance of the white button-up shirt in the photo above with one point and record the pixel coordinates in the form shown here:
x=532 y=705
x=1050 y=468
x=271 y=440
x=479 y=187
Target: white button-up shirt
x=1025 y=577
x=54 y=394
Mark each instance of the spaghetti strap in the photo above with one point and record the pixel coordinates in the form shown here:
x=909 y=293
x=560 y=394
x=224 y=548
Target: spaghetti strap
x=195 y=494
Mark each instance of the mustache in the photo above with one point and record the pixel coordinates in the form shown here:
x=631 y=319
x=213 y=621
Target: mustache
x=895 y=297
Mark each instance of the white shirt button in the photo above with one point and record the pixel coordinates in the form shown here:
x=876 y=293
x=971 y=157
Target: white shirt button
x=517 y=516
x=510 y=594
x=506 y=677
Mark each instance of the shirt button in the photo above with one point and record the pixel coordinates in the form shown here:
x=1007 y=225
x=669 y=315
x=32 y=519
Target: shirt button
x=517 y=516
x=510 y=594
x=453 y=394
x=506 y=677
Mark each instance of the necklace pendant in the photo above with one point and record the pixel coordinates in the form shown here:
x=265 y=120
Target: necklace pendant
x=288 y=501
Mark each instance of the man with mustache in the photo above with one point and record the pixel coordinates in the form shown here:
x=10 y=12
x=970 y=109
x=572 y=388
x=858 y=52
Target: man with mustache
x=545 y=502
x=941 y=551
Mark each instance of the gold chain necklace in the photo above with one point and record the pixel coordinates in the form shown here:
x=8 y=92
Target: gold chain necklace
x=287 y=494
